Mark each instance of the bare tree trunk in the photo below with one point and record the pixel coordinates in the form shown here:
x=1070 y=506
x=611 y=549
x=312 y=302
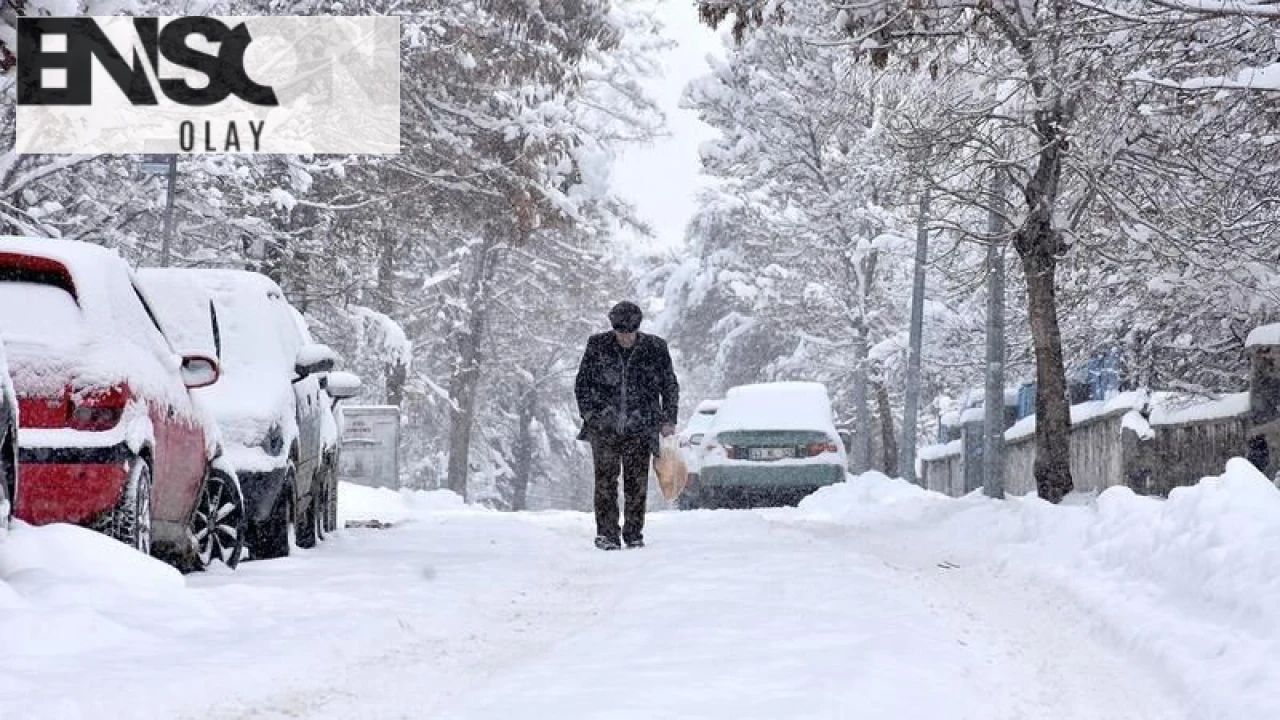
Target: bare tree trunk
x=888 y=438
x=523 y=455
x=465 y=380
x=462 y=390
x=275 y=257
x=395 y=372
x=1053 y=411
x=915 y=345
x=1038 y=245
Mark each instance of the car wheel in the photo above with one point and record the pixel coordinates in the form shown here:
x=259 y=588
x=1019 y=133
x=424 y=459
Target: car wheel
x=130 y=521
x=306 y=519
x=270 y=538
x=217 y=526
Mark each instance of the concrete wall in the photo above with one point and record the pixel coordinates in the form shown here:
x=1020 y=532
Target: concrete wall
x=1105 y=453
x=944 y=474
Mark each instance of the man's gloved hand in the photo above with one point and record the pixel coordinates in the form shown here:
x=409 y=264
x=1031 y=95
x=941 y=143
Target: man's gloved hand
x=668 y=430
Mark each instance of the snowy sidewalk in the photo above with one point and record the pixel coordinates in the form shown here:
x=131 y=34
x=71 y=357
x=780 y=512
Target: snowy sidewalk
x=459 y=613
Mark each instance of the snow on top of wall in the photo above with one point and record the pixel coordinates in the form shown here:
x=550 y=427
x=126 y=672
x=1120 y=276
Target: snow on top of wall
x=1084 y=412
x=1144 y=409
x=930 y=453
x=1170 y=408
x=1134 y=421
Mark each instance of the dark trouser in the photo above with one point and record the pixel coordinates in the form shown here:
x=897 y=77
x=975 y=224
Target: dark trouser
x=631 y=455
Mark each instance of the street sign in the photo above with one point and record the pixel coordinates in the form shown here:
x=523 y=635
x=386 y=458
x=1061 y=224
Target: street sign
x=156 y=164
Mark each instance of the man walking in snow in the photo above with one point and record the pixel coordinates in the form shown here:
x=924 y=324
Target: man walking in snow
x=627 y=396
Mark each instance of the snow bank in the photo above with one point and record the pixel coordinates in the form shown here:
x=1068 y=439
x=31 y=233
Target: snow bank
x=869 y=497
x=69 y=551
x=65 y=590
x=1190 y=583
x=364 y=504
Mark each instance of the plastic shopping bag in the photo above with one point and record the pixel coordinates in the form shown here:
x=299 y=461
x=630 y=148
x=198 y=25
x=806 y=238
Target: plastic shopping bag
x=673 y=476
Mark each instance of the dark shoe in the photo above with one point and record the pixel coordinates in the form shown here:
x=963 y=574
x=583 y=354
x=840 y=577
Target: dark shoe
x=605 y=543
x=635 y=544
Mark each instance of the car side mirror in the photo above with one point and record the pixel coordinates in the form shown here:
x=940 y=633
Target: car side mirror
x=342 y=385
x=199 y=371
x=314 y=358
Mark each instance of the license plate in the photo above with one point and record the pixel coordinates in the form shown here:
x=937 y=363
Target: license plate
x=771 y=453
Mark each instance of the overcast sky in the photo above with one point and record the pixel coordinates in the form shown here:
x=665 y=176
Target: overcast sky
x=663 y=179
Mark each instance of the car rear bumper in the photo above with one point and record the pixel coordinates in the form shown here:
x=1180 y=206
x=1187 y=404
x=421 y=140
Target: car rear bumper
x=71 y=485
x=739 y=486
x=767 y=475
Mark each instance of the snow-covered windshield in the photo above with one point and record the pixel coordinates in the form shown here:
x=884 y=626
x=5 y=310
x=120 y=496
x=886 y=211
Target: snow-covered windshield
x=38 y=313
x=253 y=342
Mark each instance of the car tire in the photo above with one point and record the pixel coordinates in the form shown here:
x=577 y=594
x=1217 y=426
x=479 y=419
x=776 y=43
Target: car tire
x=331 y=504
x=687 y=501
x=306 y=522
x=270 y=539
x=9 y=477
x=131 y=520
x=217 y=526
x=321 y=496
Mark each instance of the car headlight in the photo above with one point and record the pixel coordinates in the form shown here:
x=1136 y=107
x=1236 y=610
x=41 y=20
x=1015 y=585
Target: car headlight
x=273 y=441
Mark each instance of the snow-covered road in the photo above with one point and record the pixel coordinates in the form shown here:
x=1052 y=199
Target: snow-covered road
x=462 y=613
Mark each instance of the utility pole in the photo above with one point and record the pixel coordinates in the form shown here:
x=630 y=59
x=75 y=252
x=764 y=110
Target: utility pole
x=993 y=422
x=166 y=165
x=911 y=405
x=860 y=454
x=167 y=244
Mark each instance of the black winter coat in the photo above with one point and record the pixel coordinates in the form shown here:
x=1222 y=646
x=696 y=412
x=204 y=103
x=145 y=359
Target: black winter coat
x=626 y=395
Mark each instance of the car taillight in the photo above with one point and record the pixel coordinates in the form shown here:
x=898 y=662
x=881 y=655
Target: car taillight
x=819 y=448
x=97 y=410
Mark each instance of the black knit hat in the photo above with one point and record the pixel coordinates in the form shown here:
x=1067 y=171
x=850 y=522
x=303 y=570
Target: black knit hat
x=626 y=315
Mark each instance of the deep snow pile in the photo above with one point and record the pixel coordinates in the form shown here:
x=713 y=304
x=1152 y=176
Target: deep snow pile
x=64 y=590
x=363 y=504
x=1191 y=583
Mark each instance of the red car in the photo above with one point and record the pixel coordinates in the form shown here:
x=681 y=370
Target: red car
x=110 y=436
